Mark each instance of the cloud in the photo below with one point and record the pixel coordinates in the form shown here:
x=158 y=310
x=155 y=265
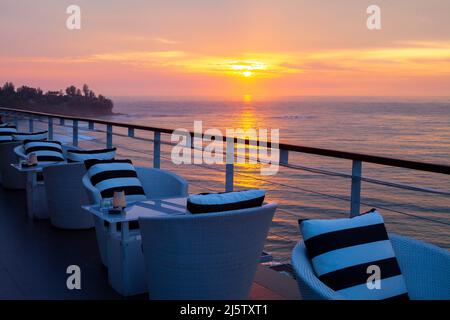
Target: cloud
x=324 y=66
x=133 y=56
x=166 y=41
x=399 y=60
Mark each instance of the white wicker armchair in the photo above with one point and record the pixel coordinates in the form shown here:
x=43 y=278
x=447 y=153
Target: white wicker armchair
x=42 y=210
x=66 y=195
x=425 y=267
x=11 y=178
x=157 y=183
x=210 y=256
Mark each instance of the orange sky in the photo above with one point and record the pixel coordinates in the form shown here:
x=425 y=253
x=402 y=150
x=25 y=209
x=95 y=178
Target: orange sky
x=229 y=48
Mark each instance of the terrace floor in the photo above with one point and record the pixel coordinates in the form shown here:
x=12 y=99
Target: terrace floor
x=34 y=257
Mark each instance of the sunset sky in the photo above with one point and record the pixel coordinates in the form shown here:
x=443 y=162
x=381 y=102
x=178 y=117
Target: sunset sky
x=228 y=48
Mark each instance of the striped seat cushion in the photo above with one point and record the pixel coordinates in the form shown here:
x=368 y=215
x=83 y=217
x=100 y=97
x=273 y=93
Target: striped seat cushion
x=46 y=151
x=83 y=155
x=225 y=201
x=115 y=175
x=21 y=136
x=6 y=133
x=345 y=252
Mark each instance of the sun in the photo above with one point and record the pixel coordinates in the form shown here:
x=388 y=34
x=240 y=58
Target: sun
x=247 y=68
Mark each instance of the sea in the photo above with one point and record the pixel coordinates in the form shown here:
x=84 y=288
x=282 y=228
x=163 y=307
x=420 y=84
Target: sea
x=405 y=128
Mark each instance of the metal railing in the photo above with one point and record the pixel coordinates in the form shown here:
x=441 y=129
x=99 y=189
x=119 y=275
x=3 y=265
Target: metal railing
x=284 y=149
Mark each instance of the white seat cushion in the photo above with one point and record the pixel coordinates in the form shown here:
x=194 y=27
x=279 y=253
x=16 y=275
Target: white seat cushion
x=6 y=132
x=46 y=151
x=347 y=254
x=83 y=155
x=225 y=201
x=21 y=136
x=115 y=175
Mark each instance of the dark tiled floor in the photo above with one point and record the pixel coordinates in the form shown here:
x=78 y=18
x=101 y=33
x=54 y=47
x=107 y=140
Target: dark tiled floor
x=34 y=257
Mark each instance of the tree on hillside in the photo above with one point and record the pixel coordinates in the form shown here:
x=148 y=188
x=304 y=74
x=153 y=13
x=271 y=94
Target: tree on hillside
x=82 y=99
x=71 y=91
x=86 y=90
x=8 y=88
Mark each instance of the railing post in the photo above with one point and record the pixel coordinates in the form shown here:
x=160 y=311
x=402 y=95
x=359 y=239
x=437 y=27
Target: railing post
x=75 y=133
x=50 y=128
x=131 y=132
x=356 y=188
x=109 y=134
x=157 y=150
x=61 y=121
x=91 y=125
x=229 y=167
x=30 y=125
x=16 y=121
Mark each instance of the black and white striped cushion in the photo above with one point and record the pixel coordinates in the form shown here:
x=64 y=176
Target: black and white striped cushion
x=83 y=155
x=21 y=136
x=341 y=250
x=6 y=132
x=115 y=175
x=46 y=151
x=225 y=201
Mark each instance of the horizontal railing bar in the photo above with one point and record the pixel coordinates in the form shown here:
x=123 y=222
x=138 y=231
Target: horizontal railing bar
x=300 y=167
x=313 y=192
x=387 y=161
x=404 y=186
x=404 y=213
x=315 y=170
x=291 y=166
x=325 y=172
x=349 y=176
x=288 y=212
x=367 y=179
x=87 y=119
x=330 y=196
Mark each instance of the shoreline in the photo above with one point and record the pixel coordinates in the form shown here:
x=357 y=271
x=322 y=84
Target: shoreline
x=68 y=110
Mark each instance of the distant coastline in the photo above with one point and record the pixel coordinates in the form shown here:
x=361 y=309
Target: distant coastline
x=72 y=102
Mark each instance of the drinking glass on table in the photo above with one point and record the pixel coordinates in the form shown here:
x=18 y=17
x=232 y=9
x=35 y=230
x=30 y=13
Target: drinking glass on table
x=105 y=204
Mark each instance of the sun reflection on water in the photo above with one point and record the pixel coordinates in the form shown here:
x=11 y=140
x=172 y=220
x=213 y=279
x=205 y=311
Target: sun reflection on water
x=248 y=119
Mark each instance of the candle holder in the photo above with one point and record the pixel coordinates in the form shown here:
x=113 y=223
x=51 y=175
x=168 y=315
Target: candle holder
x=32 y=159
x=119 y=201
